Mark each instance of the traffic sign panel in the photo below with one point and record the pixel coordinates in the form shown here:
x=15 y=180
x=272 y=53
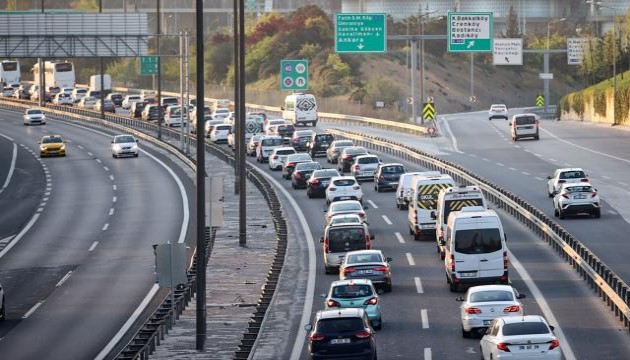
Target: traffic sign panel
x=576 y=47
x=470 y=31
x=294 y=75
x=507 y=51
x=428 y=111
x=148 y=65
x=360 y=33
x=540 y=101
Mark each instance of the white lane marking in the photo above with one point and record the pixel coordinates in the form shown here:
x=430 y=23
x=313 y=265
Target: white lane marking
x=45 y=199
x=410 y=259
x=93 y=246
x=372 y=204
x=527 y=151
x=544 y=306
x=114 y=199
x=80 y=147
x=105 y=168
x=63 y=279
x=111 y=177
x=400 y=238
x=11 y=168
x=111 y=211
x=525 y=173
x=623 y=183
x=40 y=209
x=105 y=227
x=536 y=154
x=47 y=193
x=606 y=177
x=539 y=178
x=90 y=154
x=484 y=159
x=611 y=212
x=419 y=288
x=389 y=222
x=568 y=165
x=472 y=155
x=19 y=236
x=98 y=161
x=553 y=160
x=517 y=146
x=425 y=318
x=587 y=149
x=43 y=204
x=6 y=239
x=513 y=169
x=10 y=139
x=32 y=310
x=132 y=319
x=450 y=133
x=499 y=164
x=427 y=353
x=114 y=187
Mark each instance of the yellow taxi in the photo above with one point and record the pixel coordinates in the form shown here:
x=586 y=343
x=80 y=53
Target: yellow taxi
x=52 y=145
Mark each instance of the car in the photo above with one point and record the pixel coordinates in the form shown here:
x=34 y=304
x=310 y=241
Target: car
x=404 y=191
x=524 y=126
x=87 y=102
x=220 y=133
x=346 y=158
x=78 y=94
x=345 y=207
x=3 y=307
x=47 y=96
x=520 y=337
x=53 y=90
x=289 y=163
x=169 y=101
x=267 y=144
x=565 y=176
x=343 y=188
x=52 y=145
x=367 y=264
x=22 y=93
x=344 y=219
x=278 y=155
x=387 y=176
x=257 y=115
x=193 y=114
x=221 y=113
x=341 y=333
x=34 y=116
x=575 y=199
x=151 y=112
x=62 y=99
x=285 y=131
x=499 y=111
x=299 y=139
x=356 y=293
x=7 y=91
x=319 y=143
x=252 y=144
x=302 y=173
x=135 y=111
x=107 y=105
x=67 y=90
x=125 y=145
x=128 y=101
x=173 y=116
x=148 y=94
x=484 y=303
x=334 y=150
x=210 y=124
x=269 y=122
x=271 y=130
x=318 y=182
x=116 y=98
x=93 y=93
x=364 y=167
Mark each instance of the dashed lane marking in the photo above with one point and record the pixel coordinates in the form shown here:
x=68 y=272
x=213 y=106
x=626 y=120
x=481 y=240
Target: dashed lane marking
x=418 y=282
x=400 y=238
x=513 y=169
x=111 y=211
x=539 y=178
x=606 y=177
x=63 y=279
x=32 y=310
x=410 y=259
x=114 y=187
x=98 y=161
x=499 y=164
x=525 y=173
x=90 y=154
x=427 y=353
x=105 y=168
x=372 y=204
x=389 y=222
x=114 y=199
x=105 y=227
x=80 y=147
x=484 y=159
x=93 y=246
x=111 y=177
x=425 y=318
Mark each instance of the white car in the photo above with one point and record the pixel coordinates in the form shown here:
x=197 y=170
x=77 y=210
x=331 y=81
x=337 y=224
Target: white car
x=125 y=145
x=343 y=188
x=67 y=91
x=7 y=91
x=564 y=176
x=364 y=167
x=34 y=116
x=270 y=122
x=266 y=146
x=3 y=310
x=498 y=111
x=345 y=207
x=484 y=303
x=130 y=99
x=78 y=94
x=276 y=159
x=209 y=126
x=575 y=199
x=344 y=219
x=253 y=142
x=520 y=337
x=62 y=99
x=221 y=113
x=87 y=102
x=173 y=116
x=220 y=133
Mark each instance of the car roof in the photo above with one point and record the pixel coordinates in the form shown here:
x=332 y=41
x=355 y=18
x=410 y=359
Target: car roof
x=364 y=252
x=264 y=137
x=569 y=169
x=342 y=177
x=366 y=156
x=351 y=282
x=340 y=313
x=346 y=202
x=524 y=318
x=479 y=288
x=283 y=148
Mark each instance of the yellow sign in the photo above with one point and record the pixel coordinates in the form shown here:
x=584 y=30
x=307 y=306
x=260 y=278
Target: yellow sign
x=540 y=101
x=428 y=111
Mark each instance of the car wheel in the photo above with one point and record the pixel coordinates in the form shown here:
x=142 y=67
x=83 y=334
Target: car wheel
x=416 y=237
x=378 y=327
x=328 y=270
x=308 y=193
x=328 y=160
x=136 y=155
x=550 y=194
x=513 y=138
x=597 y=214
x=537 y=137
x=555 y=212
x=561 y=214
x=388 y=287
x=452 y=287
x=442 y=255
x=114 y=156
x=3 y=312
x=397 y=206
x=465 y=334
x=327 y=202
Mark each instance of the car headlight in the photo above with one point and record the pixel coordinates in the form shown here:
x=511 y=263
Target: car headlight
x=42 y=147
x=116 y=147
x=134 y=146
x=63 y=147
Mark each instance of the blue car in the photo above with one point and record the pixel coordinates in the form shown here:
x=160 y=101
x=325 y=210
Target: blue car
x=356 y=293
x=387 y=176
x=302 y=173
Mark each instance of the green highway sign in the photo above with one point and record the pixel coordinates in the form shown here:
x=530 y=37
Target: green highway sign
x=360 y=33
x=148 y=65
x=470 y=31
x=294 y=75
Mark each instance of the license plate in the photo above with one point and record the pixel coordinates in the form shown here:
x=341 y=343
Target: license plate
x=487 y=322
x=367 y=173
x=579 y=197
x=345 y=197
x=340 y=341
x=364 y=272
x=529 y=347
x=467 y=274
x=325 y=183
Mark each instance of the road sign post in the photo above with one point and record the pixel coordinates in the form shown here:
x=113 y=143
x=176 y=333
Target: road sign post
x=294 y=75
x=360 y=33
x=470 y=31
x=540 y=101
x=148 y=65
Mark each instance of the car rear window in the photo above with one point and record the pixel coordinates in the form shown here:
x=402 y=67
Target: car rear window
x=572 y=174
x=325 y=173
x=307 y=166
x=493 y=295
x=285 y=152
x=573 y=189
x=351 y=291
x=344 y=182
x=525 y=120
x=324 y=137
x=364 y=258
x=477 y=241
x=339 y=325
x=271 y=142
x=525 y=328
x=223 y=127
x=393 y=169
x=344 y=143
x=355 y=151
x=368 y=160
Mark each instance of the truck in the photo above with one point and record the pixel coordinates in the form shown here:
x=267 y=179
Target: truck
x=95 y=83
x=300 y=109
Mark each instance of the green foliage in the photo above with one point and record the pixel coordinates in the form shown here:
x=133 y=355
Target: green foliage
x=334 y=77
x=382 y=89
x=599 y=101
x=512 y=30
x=218 y=59
x=85 y=5
x=563 y=106
x=309 y=51
x=577 y=103
x=622 y=101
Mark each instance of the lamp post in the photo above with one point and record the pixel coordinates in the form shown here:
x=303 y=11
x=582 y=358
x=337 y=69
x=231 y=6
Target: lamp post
x=549 y=26
x=420 y=19
x=546 y=64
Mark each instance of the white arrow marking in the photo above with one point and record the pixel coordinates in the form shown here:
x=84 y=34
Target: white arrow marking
x=471 y=44
x=360 y=46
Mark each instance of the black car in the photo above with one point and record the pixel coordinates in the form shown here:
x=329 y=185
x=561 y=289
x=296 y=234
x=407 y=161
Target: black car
x=387 y=176
x=341 y=334
x=302 y=173
x=116 y=98
x=286 y=132
x=318 y=182
x=346 y=158
x=136 y=109
x=300 y=138
x=291 y=162
x=335 y=149
x=23 y=93
x=318 y=144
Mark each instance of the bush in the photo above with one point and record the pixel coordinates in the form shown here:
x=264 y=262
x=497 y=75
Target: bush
x=622 y=101
x=577 y=103
x=599 y=102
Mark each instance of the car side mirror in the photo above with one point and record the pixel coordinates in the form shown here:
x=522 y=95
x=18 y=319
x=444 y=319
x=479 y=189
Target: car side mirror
x=433 y=215
x=321 y=239
x=487 y=331
x=308 y=327
x=365 y=208
x=137 y=140
x=371 y=236
x=552 y=327
x=549 y=177
x=510 y=123
x=389 y=259
x=459 y=298
x=521 y=296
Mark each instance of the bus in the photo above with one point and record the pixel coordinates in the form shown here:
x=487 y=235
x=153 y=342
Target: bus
x=58 y=74
x=9 y=72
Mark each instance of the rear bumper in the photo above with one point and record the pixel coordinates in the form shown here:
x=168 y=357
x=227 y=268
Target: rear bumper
x=501 y=279
x=580 y=209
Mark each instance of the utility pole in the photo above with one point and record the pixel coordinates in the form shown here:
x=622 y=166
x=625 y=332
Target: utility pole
x=242 y=204
x=414 y=75
x=159 y=68
x=183 y=115
x=187 y=76
x=42 y=78
x=102 y=70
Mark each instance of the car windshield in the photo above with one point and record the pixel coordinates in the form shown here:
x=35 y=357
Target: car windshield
x=577 y=174
x=492 y=295
x=343 y=143
x=223 y=127
x=355 y=151
x=525 y=120
x=345 y=207
x=351 y=291
x=574 y=189
x=308 y=166
x=393 y=169
x=345 y=220
x=340 y=325
x=368 y=160
x=325 y=173
x=271 y=142
x=324 y=138
x=525 y=328
x=498 y=107
x=124 y=139
x=52 y=140
x=301 y=133
x=477 y=241
x=285 y=152
x=222 y=111
x=299 y=157
x=34 y=112
x=276 y=122
x=344 y=182
x=364 y=258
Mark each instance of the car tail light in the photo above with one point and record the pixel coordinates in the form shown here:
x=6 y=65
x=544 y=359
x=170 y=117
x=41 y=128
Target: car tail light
x=357 y=168
x=371 y=301
x=452 y=263
x=561 y=181
x=364 y=334
x=348 y=270
x=513 y=308
x=356 y=187
x=506 y=261
x=380 y=268
x=554 y=344
x=594 y=193
x=473 y=310
x=332 y=303
x=317 y=337
x=275 y=157
x=291 y=164
x=503 y=347
x=566 y=196
x=440 y=232
x=315 y=182
x=326 y=250
x=332 y=188
x=381 y=178
x=584 y=180
x=297 y=175
x=537 y=123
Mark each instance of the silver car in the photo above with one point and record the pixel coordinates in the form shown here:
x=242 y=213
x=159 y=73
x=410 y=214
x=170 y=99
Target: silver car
x=364 y=167
x=34 y=116
x=125 y=145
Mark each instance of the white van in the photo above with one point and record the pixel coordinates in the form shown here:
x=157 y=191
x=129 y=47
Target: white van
x=475 y=248
x=454 y=199
x=300 y=109
x=403 y=191
x=423 y=203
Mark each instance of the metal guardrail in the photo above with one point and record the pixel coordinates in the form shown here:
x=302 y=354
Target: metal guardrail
x=608 y=285
x=145 y=340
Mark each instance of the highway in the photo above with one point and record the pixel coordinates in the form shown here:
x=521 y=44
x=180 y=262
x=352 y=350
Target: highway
x=80 y=261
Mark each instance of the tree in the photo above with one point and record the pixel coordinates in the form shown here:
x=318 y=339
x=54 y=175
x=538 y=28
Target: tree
x=382 y=89
x=512 y=30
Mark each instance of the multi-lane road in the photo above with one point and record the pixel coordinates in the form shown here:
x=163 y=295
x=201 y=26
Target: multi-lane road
x=76 y=259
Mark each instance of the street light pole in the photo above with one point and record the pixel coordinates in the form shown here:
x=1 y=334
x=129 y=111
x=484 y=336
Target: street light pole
x=422 y=72
x=546 y=64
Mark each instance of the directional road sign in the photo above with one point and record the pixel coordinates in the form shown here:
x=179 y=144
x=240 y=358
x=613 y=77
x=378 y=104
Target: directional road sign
x=294 y=75
x=507 y=51
x=470 y=31
x=360 y=33
x=428 y=111
x=148 y=65
x=540 y=101
x=576 y=47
